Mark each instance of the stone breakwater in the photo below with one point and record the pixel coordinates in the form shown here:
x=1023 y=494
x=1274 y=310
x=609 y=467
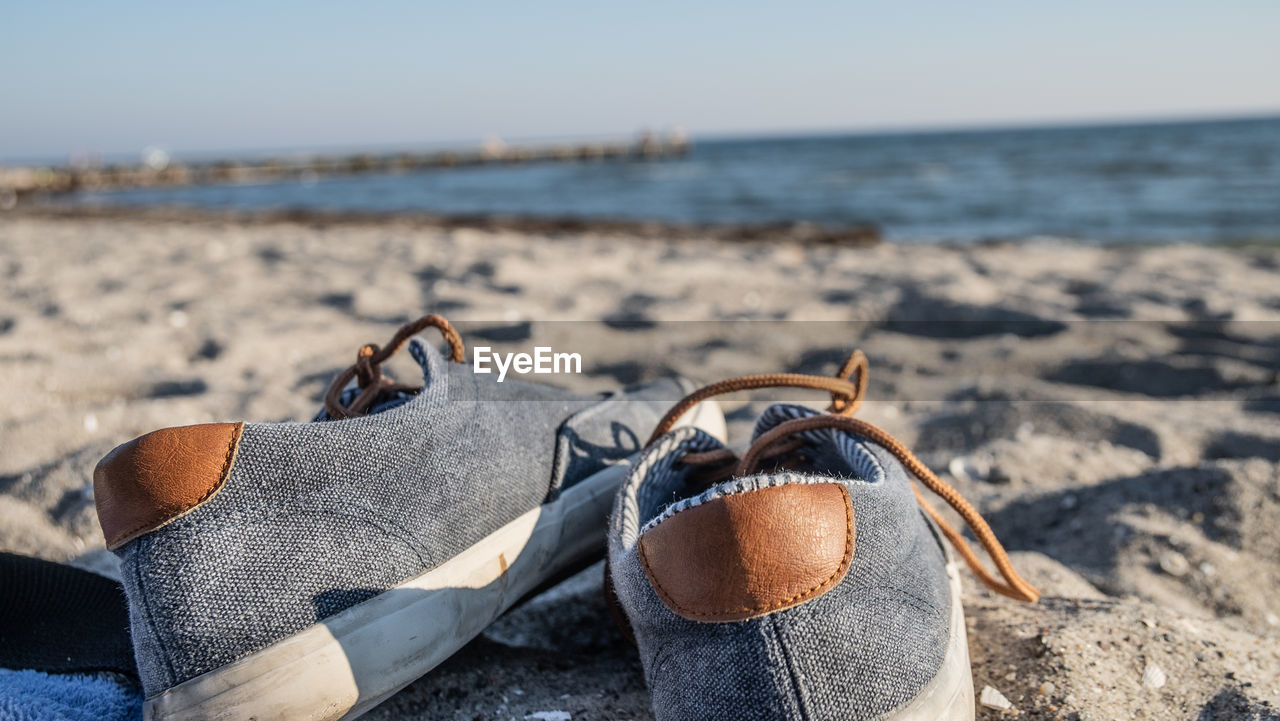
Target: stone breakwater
x=158 y=170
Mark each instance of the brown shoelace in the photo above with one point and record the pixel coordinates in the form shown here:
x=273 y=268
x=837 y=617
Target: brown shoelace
x=846 y=397
x=368 y=368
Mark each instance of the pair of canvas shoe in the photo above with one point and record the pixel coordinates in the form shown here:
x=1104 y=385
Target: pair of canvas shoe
x=310 y=570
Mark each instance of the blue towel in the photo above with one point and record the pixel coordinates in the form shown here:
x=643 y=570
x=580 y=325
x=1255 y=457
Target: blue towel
x=36 y=696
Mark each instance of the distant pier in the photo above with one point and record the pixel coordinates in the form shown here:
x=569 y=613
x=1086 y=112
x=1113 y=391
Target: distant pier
x=158 y=170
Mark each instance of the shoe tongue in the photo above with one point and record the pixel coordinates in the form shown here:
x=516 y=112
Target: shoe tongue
x=780 y=413
x=428 y=359
x=834 y=451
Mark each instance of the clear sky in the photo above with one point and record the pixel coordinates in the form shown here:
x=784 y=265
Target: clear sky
x=116 y=77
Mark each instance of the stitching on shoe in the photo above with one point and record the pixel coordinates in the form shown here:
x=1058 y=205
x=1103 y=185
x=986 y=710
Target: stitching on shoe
x=740 y=486
x=783 y=603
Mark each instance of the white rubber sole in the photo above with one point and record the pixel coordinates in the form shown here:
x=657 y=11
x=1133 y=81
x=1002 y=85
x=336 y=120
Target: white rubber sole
x=949 y=695
x=348 y=663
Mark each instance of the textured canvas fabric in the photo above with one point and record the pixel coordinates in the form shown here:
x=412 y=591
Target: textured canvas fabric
x=317 y=517
x=862 y=649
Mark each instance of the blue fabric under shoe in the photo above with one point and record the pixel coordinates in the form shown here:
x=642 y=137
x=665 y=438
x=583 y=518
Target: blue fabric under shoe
x=36 y=696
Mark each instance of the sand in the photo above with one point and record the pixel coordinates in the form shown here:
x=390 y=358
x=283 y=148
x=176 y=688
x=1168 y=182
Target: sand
x=1113 y=412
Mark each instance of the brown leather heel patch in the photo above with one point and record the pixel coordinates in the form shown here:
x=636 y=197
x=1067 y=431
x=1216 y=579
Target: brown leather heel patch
x=749 y=554
x=154 y=479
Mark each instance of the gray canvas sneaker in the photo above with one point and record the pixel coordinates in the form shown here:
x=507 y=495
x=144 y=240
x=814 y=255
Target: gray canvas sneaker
x=806 y=580
x=309 y=570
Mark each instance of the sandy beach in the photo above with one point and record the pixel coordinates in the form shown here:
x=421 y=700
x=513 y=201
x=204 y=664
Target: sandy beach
x=1113 y=412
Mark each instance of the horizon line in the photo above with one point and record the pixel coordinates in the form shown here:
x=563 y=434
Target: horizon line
x=940 y=128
